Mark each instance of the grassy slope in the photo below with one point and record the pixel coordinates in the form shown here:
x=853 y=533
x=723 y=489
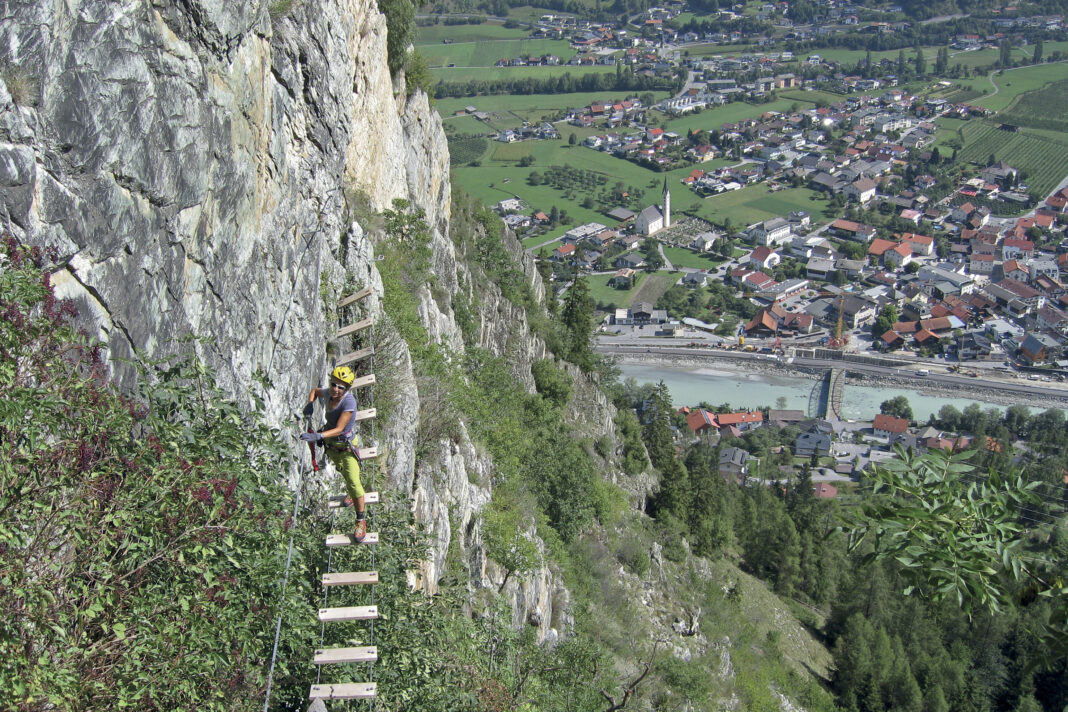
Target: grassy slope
x=1014 y=82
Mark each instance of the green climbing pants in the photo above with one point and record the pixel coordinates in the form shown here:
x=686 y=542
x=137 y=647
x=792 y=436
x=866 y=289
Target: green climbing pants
x=349 y=467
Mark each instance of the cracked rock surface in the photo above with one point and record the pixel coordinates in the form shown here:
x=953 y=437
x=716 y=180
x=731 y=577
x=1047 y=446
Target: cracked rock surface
x=188 y=161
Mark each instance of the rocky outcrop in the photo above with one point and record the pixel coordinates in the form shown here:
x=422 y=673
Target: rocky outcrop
x=196 y=166
x=188 y=162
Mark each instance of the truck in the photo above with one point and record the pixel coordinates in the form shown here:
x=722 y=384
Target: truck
x=924 y=372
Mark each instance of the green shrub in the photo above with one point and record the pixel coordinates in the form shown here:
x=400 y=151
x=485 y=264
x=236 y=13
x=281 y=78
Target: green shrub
x=632 y=554
x=552 y=383
x=140 y=539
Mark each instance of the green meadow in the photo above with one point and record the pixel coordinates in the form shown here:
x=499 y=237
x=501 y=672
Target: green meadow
x=488 y=53
x=608 y=296
x=545 y=103
x=499 y=176
x=682 y=257
x=486 y=32
x=755 y=203
x=1011 y=83
x=489 y=73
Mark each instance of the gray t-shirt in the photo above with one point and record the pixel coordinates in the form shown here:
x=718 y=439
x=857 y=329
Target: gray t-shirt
x=348 y=403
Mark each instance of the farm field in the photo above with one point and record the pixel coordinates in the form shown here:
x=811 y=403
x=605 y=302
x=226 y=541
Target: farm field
x=1046 y=108
x=1039 y=156
x=682 y=257
x=467 y=74
x=495 y=180
x=487 y=53
x=486 y=32
x=1014 y=82
x=465 y=150
x=605 y=295
x=500 y=176
x=463 y=124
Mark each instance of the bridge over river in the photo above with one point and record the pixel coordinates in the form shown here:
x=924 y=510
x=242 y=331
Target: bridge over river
x=827 y=399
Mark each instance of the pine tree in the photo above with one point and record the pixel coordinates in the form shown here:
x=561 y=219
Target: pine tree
x=674 y=496
x=934 y=700
x=577 y=318
x=709 y=518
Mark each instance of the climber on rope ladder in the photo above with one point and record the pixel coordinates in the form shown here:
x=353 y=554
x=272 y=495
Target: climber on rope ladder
x=340 y=438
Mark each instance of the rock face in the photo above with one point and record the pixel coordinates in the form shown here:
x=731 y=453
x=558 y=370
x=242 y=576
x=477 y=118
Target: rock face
x=189 y=166
x=194 y=165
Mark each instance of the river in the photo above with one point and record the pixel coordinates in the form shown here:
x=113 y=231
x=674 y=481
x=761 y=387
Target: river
x=690 y=386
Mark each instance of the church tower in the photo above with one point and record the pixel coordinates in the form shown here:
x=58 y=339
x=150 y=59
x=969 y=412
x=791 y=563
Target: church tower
x=666 y=205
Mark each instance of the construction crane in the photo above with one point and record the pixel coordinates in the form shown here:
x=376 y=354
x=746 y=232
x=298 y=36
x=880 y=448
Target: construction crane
x=838 y=341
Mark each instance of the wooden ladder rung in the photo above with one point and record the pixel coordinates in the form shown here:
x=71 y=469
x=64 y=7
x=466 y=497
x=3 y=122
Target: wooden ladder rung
x=343 y=691
x=338 y=500
x=348 y=613
x=368 y=453
x=328 y=656
x=364 y=414
x=354 y=297
x=362 y=381
x=347 y=540
x=353 y=328
x=350 y=578
x=354 y=356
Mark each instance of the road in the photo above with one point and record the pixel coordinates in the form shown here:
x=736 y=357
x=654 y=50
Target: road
x=1024 y=390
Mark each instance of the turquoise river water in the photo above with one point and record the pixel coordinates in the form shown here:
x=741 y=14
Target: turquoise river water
x=689 y=386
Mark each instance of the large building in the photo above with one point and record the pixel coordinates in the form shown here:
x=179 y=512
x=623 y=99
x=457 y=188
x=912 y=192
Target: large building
x=655 y=218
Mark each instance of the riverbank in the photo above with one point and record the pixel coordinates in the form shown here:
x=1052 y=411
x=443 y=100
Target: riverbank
x=746 y=364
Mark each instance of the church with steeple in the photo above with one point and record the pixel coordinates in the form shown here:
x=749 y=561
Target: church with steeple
x=656 y=217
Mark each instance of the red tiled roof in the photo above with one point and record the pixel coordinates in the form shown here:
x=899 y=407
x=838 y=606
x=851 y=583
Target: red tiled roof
x=890 y=423
x=701 y=419
x=738 y=418
x=879 y=246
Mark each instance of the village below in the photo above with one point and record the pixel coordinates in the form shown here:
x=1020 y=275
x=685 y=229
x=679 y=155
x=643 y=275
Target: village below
x=907 y=222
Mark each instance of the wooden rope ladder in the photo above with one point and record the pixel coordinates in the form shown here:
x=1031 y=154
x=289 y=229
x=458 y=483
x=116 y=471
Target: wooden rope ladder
x=362 y=654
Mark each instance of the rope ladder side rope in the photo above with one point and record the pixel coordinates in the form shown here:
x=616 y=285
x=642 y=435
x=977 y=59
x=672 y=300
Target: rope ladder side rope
x=368 y=455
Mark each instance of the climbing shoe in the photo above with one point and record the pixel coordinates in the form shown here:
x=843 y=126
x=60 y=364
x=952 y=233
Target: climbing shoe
x=361 y=529
x=347 y=502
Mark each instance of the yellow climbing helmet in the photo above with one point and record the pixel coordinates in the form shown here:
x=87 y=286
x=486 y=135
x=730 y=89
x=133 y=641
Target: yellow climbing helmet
x=344 y=374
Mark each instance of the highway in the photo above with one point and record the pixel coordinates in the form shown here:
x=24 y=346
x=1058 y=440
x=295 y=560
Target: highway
x=1024 y=389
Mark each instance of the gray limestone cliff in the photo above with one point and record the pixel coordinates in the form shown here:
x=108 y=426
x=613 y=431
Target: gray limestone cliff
x=194 y=166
